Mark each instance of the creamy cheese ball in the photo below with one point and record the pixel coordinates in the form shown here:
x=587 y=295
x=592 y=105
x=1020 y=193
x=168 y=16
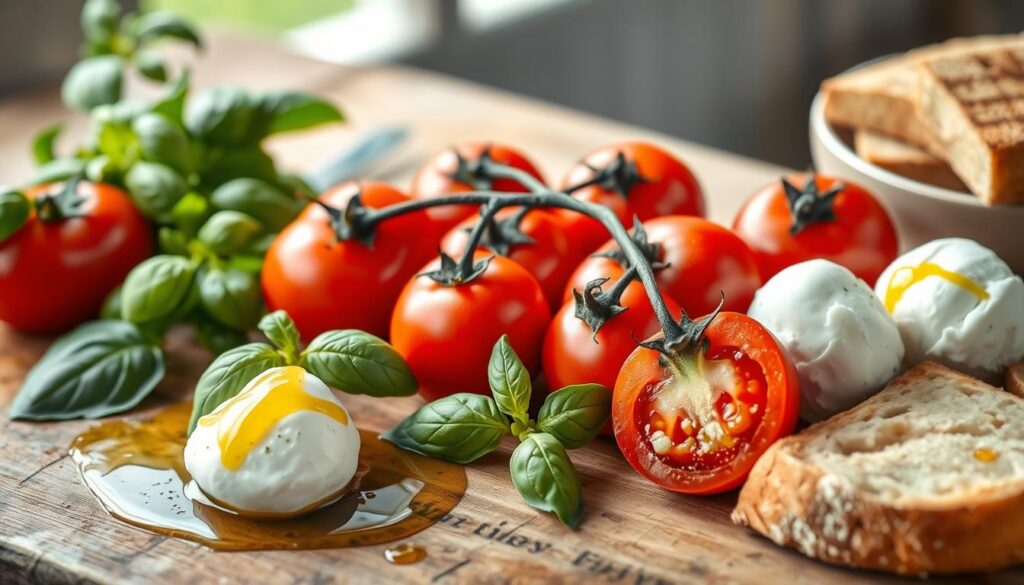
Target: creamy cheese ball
x=957 y=303
x=843 y=343
x=280 y=447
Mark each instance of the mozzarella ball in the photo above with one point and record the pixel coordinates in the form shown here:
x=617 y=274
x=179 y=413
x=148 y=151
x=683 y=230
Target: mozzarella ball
x=284 y=444
x=843 y=343
x=957 y=303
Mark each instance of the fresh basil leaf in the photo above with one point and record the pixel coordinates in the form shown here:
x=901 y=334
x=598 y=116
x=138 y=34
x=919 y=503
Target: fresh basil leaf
x=221 y=115
x=42 y=144
x=155 y=188
x=191 y=212
x=249 y=162
x=575 y=414
x=356 y=362
x=232 y=297
x=246 y=263
x=285 y=111
x=228 y=232
x=100 y=368
x=460 y=428
x=99 y=20
x=281 y=331
x=172 y=241
x=159 y=24
x=151 y=65
x=217 y=338
x=228 y=375
x=266 y=203
x=161 y=141
x=172 y=104
x=157 y=288
x=509 y=380
x=57 y=170
x=93 y=82
x=546 y=478
x=111 y=308
x=100 y=169
x=14 y=211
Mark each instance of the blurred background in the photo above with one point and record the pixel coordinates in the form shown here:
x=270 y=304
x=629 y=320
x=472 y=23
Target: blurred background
x=735 y=74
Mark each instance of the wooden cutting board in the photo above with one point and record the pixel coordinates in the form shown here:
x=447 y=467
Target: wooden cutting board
x=53 y=531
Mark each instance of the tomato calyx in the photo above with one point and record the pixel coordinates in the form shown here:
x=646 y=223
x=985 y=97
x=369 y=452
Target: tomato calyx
x=474 y=171
x=650 y=250
x=352 y=223
x=687 y=337
x=595 y=306
x=500 y=235
x=619 y=176
x=808 y=206
x=452 y=273
x=63 y=204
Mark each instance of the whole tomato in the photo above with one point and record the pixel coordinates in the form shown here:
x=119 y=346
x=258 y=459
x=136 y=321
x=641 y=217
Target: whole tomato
x=445 y=330
x=574 y=354
x=457 y=171
x=79 y=242
x=841 y=222
x=699 y=261
x=327 y=283
x=535 y=239
x=697 y=422
x=643 y=180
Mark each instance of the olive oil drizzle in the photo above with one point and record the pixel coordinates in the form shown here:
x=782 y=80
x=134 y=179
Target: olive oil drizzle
x=904 y=278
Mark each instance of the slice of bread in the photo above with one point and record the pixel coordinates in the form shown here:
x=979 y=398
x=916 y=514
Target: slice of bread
x=974 y=103
x=883 y=96
x=1015 y=379
x=905 y=160
x=927 y=476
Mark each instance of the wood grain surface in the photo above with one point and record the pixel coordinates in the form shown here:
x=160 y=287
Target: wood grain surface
x=53 y=531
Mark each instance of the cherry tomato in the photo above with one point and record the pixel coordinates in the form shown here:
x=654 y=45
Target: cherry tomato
x=58 y=268
x=574 y=354
x=704 y=260
x=697 y=423
x=437 y=178
x=325 y=284
x=648 y=182
x=446 y=332
x=853 y=229
x=550 y=258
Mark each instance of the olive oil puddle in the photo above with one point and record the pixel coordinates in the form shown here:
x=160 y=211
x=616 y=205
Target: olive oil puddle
x=136 y=469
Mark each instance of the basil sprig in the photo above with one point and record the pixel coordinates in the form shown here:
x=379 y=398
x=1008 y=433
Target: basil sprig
x=100 y=368
x=464 y=427
x=351 y=361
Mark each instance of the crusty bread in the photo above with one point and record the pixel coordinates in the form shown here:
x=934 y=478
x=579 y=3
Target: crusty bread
x=883 y=96
x=925 y=477
x=905 y=160
x=1015 y=379
x=974 y=103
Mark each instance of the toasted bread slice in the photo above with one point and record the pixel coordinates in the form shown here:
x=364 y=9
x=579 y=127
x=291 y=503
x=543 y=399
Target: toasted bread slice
x=883 y=96
x=926 y=476
x=906 y=160
x=974 y=102
x=1015 y=379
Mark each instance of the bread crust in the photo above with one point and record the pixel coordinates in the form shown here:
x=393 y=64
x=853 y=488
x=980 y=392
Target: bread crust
x=1015 y=379
x=800 y=505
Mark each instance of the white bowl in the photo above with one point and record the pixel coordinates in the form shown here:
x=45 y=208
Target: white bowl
x=922 y=212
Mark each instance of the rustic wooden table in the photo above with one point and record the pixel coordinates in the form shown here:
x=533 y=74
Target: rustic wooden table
x=53 y=530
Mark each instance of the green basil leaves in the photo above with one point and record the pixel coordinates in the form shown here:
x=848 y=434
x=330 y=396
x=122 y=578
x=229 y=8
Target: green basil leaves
x=464 y=427
x=14 y=211
x=93 y=82
x=228 y=375
x=359 y=363
x=100 y=368
x=156 y=289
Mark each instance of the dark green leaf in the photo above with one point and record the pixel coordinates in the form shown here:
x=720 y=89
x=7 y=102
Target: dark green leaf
x=509 y=380
x=460 y=428
x=93 y=82
x=228 y=232
x=356 y=362
x=263 y=201
x=191 y=212
x=157 y=288
x=172 y=241
x=172 y=104
x=155 y=188
x=248 y=162
x=545 y=477
x=58 y=170
x=158 y=24
x=217 y=338
x=161 y=141
x=111 y=308
x=575 y=414
x=228 y=375
x=14 y=211
x=99 y=21
x=100 y=368
x=42 y=145
x=221 y=115
x=151 y=65
x=232 y=297
x=285 y=111
x=280 y=330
